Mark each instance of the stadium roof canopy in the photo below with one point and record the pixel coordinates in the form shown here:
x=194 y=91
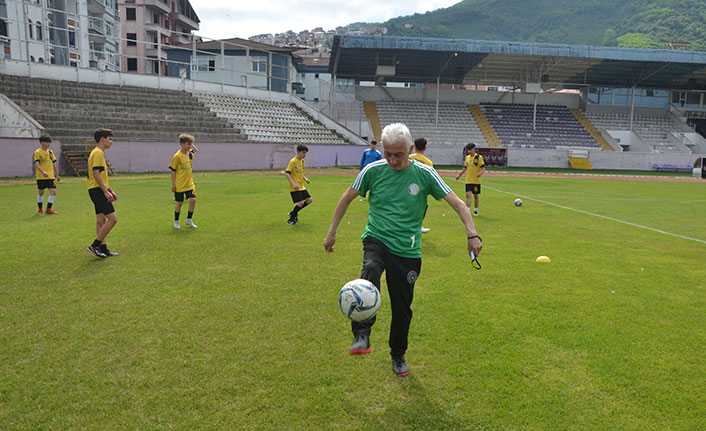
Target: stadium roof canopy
x=480 y=62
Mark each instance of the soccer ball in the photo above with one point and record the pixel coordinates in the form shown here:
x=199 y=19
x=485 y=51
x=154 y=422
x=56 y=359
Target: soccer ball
x=518 y=202
x=359 y=300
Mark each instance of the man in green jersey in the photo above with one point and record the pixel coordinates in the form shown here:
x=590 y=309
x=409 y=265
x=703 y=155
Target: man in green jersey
x=397 y=188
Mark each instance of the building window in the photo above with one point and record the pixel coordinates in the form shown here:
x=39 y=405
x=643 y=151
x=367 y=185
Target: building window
x=259 y=64
x=39 y=31
x=3 y=28
x=130 y=14
x=155 y=18
x=31 y=58
x=155 y=67
x=132 y=39
x=41 y=60
x=132 y=64
x=31 y=34
x=72 y=38
x=211 y=65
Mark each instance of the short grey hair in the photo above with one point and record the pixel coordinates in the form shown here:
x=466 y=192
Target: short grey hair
x=395 y=132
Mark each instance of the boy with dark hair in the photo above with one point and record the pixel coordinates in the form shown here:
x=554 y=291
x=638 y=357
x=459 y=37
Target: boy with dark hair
x=296 y=178
x=420 y=147
x=370 y=155
x=101 y=194
x=474 y=168
x=183 y=179
x=44 y=163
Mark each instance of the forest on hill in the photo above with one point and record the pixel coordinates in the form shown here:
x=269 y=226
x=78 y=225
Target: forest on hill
x=621 y=23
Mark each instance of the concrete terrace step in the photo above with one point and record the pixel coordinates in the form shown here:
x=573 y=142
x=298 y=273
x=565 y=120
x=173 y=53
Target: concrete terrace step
x=147 y=103
x=77 y=139
x=117 y=123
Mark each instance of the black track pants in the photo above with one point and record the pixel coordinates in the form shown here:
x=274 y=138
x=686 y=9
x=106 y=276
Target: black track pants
x=400 y=273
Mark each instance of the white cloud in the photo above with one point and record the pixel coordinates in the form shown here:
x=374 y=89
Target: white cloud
x=223 y=18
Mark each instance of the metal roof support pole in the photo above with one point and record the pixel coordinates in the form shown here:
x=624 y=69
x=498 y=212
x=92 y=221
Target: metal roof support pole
x=436 y=117
x=632 y=107
x=332 y=98
x=534 y=113
x=193 y=62
x=438 y=83
x=222 y=69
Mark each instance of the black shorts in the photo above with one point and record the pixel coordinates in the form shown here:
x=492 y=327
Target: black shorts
x=46 y=184
x=100 y=202
x=473 y=188
x=179 y=196
x=300 y=195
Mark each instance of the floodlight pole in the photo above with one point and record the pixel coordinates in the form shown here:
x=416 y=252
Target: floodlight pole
x=438 y=83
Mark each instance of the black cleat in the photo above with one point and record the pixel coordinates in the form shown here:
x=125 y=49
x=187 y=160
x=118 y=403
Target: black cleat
x=96 y=252
x=110 y=253
x=360 y=346
x=399 y=366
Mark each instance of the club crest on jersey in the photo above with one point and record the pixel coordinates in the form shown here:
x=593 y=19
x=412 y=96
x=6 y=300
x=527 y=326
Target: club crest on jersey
x=413 y=189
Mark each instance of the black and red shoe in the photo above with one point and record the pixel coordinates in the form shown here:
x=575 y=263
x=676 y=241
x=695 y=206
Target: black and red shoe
x=360 y=346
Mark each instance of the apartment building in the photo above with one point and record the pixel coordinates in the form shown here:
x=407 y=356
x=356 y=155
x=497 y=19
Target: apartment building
x=63 y=32
x=149 y=27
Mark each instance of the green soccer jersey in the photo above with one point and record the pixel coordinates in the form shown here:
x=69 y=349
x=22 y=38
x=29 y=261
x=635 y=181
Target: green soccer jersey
x=397 y=202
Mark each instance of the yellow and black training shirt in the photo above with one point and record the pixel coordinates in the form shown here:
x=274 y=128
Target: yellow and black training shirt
x=46 y=161
x=182 y=165
x=473 y=165
x=96 y=162
x=296 y=170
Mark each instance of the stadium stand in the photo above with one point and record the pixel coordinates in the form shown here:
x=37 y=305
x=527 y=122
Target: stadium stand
x=71 y=111
x=653 y=130
x=456 y=127
x=556 y=126
x=267 y=121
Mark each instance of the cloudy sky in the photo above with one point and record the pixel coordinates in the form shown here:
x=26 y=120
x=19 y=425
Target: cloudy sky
x=222 y=19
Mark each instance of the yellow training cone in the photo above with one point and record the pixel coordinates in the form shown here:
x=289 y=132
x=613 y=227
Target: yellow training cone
x=543 y=259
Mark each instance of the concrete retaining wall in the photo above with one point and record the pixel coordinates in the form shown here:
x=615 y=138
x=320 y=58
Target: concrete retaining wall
x=16 y=156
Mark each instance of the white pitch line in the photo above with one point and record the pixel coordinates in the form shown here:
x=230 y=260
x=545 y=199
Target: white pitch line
x=600 y=216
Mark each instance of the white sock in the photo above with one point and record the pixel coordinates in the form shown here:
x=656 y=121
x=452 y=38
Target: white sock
x=51 y=198
x=40 y=199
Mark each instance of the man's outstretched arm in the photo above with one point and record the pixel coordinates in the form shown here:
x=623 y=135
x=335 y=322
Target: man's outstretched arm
x=338 y=214
x=474 y=243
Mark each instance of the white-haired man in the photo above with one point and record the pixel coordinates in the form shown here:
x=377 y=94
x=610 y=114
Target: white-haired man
x=398 y=189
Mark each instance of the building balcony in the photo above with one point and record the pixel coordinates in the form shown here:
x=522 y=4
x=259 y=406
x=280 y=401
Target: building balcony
x=184 y=20
x=156 y=28
x=101 y=7
x=162 y=5
x=152 y=52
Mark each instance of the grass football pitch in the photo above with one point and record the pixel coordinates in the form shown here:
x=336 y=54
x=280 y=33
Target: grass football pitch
x=235 y=325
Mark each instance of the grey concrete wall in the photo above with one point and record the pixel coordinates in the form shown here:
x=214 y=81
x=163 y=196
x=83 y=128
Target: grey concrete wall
x=463 y=96
x=599 y=159
x=219 y=156
x=16 y=156
x=15 y=122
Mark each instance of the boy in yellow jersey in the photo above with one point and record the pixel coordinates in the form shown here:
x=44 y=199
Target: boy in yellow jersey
x=182 y=178
x=474 y=168
x=420 y=147
x=296 y=178
x=47 y=174
x=101 y=194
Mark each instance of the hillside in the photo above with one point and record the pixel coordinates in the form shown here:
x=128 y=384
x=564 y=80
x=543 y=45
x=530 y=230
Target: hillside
x=623 y=23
